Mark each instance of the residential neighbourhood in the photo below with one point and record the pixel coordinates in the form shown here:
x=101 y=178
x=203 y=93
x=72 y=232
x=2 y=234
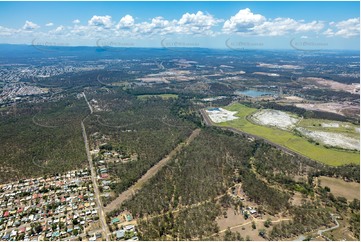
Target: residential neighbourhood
x=49 y=208
x=104 y=157
x=58 y=207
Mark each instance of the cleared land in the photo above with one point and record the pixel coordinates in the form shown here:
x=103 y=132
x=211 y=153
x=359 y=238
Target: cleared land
x=287 y=139
x=276 y=118
x=331 y=139
x=346 y=128
x=340 y=188
x=219 y=115
x=338 y=108
x=331 y=84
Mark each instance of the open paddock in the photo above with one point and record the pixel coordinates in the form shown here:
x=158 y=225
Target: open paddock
x=341 y=188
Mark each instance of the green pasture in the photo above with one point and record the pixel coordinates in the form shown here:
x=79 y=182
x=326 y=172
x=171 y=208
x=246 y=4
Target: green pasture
x=288 y=139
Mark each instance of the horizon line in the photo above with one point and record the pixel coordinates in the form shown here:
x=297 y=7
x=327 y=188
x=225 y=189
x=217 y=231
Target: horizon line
x=170 y=48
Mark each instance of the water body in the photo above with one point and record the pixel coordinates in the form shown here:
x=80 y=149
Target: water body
x=255 y=93
x=213 y=109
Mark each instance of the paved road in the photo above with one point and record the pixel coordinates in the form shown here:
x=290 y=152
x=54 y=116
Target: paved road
x=94 y=177
x=90 y=107
x=320 y=232
x=150 y=173
x=208 y=122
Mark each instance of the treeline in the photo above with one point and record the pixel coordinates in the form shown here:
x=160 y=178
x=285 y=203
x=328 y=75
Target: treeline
x=273 y=199
x=349 y=172
x=271 y=163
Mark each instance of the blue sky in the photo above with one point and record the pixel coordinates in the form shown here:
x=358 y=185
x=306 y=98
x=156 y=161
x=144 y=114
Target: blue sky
x=329 y=25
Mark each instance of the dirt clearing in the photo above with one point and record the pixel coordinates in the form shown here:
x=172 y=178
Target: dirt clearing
x=279 y=119
x=219 y=115
x=331 y=139
x=338 y=108
x=340 y=188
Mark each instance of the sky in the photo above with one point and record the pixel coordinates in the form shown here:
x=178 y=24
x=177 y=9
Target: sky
x=259 y=25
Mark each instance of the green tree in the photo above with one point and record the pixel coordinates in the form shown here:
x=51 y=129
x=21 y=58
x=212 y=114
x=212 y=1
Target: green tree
x=268 y=223
x=254 y=225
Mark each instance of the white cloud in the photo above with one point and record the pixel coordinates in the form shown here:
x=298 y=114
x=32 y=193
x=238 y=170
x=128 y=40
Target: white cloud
x=189 y=23
x=126 y=22
x=199 y=23
x=329 y=32
x=101 y=21
x=243 y=21
x=246 y=22
x=30 y=26
x=198 y=19
x=59 y=31
x=315 y=26
x=347 y=28
x=6 y=31
x=158 y=25
x=283 y=26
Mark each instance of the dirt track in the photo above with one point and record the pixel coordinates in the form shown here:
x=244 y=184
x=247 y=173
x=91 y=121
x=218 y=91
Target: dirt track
x=149 y=174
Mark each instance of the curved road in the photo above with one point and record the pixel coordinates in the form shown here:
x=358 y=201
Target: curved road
x=321 y=231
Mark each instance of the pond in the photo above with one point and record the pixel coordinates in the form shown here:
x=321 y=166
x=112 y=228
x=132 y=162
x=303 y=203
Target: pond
x=255 y=93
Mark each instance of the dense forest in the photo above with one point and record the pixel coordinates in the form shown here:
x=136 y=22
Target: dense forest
x=49 y=141
x=150 y=128
x=210 y=159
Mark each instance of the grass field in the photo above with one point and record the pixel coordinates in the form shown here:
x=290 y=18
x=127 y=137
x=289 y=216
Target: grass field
x=288 y=139
x=340 y=188
x=163 y=96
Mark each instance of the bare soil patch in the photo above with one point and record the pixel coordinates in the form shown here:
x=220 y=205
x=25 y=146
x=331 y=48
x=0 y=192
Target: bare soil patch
x=339 y=108
x=332 y=84
x=331 y=139
x=276 y=118
x=339 y=187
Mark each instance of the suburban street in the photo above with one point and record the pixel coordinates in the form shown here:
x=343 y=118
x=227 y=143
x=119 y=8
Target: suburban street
x=94 y=177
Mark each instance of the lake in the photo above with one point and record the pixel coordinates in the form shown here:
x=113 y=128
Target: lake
x=255 y=93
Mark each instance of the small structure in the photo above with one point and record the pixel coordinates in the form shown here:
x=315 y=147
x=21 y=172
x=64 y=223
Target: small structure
x=119 y=234
x=253 y=211
x=115 y=220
